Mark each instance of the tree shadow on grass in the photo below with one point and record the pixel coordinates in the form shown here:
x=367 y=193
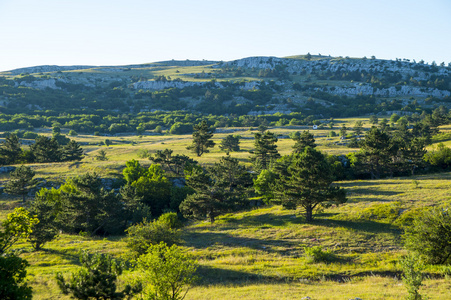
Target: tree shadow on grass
x=268 y=219
x=361 y=225
x=71 y=257
x=210 y=275
x=203 y=240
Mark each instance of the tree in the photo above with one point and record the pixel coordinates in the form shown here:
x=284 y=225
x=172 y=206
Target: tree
x=168 y=271
x=303 y=140
x=230 y=143
x=101 y=155
x=46 y=207
x=151 y=185
x=21 y=181
x=201 y=139
x=96 y=280
x=430 y=235
x=10 y=150
x=307 y=182
x=265 y=150
x=218 y=189
x=376 y=151
x=358 y=128
x=46 y=150
x=343 y=131
x=17 y=225
x=12 y=278
x=172 y=163
x=373 y=119
x=263 y=185
x=72 y=151
x=88 y=207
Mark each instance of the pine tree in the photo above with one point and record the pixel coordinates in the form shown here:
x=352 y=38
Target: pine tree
x=230 y=143
x=218 y=189
x=46 y=150
x=72 y=151
x=376 y=151
x=10 y=150
x=303 y=140
x=307 y=183
x=96 y=280
x=201 y=139
x=21 y=181
x=46 y=207
x=265 y=150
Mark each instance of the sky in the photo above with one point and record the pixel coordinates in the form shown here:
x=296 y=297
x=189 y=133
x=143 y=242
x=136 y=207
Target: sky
x=116 y=32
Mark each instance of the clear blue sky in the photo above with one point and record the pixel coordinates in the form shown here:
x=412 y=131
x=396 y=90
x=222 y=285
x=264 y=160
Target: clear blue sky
x=114 y=32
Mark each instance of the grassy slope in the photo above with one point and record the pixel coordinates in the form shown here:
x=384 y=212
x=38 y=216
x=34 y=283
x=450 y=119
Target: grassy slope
x=259 y=254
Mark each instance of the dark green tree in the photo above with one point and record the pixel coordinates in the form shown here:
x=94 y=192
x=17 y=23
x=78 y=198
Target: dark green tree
x=265 y=150
x=201 y=139
x=307 y=182
x=343 y=131
x=374 y=120
x=96 y=280
x=72 y=151
x=230 y=143
x=218 y=189
x=46 y=207
x=21 y=181
x=303 y=140
x=88 y=207
x=358 y=128
x=101 y=155
x=46 y=150
x=10 y=150
x=12 y=278
x=376 y=152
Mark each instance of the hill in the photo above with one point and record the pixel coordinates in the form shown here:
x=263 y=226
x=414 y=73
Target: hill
x=317 y=86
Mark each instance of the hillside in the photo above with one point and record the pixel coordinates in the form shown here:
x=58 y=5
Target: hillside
x=317 y=86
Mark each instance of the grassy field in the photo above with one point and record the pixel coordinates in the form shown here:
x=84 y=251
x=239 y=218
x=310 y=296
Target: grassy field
x=260 y=253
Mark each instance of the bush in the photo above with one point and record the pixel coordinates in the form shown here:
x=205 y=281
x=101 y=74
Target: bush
x=412 y=276
x=171 y=220
x=440 y=158
x=96 y=280
x=430 y=235
x=168 y=272
x=141 y=236
x=316 y=254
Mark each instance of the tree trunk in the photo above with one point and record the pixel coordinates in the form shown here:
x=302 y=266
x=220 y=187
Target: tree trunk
x=308 y=214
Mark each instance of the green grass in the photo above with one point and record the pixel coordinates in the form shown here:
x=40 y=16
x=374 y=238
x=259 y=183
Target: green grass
x=260 y=253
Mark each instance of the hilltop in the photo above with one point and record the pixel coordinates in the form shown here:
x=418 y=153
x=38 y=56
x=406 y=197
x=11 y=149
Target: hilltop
x=320 y=86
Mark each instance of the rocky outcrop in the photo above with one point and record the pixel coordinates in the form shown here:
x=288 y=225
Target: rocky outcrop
x=366 y=89
x=40 y=84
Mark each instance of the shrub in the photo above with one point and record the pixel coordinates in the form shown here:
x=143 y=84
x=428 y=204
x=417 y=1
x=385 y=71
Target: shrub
x=430 y=235
x=141 y=236
x=316 y=254
x=412 y=277
x=168 y=272
x=96 y=280
x=171 y=220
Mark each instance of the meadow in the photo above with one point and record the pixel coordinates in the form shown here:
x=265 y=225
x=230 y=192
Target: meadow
x=260 y=253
